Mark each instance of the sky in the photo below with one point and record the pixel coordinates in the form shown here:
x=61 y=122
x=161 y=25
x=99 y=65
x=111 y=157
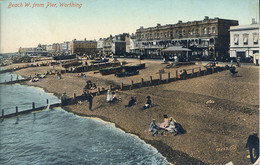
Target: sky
x=29 y=26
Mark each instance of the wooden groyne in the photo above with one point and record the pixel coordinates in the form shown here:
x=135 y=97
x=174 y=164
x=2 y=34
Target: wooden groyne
x=16 y=81
x=33 y=109
x=171 y=77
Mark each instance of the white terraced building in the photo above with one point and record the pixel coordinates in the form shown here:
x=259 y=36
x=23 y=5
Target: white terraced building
x=244 y=41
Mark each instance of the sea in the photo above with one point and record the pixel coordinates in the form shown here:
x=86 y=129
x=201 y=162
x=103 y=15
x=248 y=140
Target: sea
x=55 y=136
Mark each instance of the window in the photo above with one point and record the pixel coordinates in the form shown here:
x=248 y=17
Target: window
x=213 y=30
x=183 y=32
x=205 y=31
x=255 y=38
x=197 y=32
x=208 y=30
x=236 y=37
x=193 y=31
x=245 y=39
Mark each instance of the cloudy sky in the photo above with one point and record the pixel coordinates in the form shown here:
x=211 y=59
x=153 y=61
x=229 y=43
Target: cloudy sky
x=27 y=26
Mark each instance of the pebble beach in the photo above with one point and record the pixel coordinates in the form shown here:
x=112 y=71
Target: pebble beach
x=218 y=111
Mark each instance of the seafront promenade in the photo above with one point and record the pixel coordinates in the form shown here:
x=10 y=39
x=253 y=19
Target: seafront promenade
x=218 y=111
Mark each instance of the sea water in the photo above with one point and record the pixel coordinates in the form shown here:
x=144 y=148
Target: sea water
x=54 y=136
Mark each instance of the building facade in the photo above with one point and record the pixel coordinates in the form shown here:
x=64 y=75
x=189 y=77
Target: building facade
x=208 y=38
x=118 y=47
x=81 y=47
x=244 y=41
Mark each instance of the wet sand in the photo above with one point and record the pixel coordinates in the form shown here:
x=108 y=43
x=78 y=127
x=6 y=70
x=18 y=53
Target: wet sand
x=216 y=131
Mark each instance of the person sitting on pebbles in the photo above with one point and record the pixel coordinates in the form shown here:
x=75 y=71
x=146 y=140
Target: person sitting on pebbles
x=132 y=102
x=172 y=126
x=153 y=128
x=165 y=124
x=148 y=103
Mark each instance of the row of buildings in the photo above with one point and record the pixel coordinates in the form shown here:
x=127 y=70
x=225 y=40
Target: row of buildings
x=210 y=38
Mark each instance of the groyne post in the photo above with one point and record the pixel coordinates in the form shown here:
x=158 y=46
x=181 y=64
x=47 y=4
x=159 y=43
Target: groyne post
x=169 y=77
x=3 y=113
x=160 y=79
x=47 y=101
x=122 y=86
x=16 y=110
x=33 y=105
x=142 y=82
x=98 y=91
x=132 y=84
x=192 y=73
x=74 y=96
x=17 y=77
x=151 y=80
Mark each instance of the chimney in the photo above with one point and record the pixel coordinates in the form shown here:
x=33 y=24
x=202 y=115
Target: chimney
x=180 y=21
x=158 y=24
x=253 y=21
x=206 y=18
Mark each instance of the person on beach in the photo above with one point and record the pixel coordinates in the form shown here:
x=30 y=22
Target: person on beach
x=172 y=126
x=90 y=100
x=148 y=103
x=132 y=102
x=153 y=128
x=114 y=97
x=109 y=96
x=165 y=124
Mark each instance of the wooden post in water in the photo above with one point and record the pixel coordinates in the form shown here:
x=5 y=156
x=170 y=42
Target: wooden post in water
x=3 y=113
x=74 y=97
x=17 y=77
x=16 y=110
x=151 y=80
x=47 y=101
x=33 y=105
x=142 y=82
x=160 y=79
x=132 y=84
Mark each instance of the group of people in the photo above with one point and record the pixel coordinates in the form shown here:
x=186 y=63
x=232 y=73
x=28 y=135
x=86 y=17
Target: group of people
x=133 y=101
x=167 y=125
x=81 y=75
x=112 y=97
x=90 y=86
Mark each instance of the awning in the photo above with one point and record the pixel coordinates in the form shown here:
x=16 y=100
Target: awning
x=175 y=49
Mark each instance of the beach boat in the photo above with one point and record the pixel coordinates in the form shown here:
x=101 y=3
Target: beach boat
x=64 y=57
x=100 y=61
x=111 y=70
x=125 y=74
x=71 y=63
x=132 y=68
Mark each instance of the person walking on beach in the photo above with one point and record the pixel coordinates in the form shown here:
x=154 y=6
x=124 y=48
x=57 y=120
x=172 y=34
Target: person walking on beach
x=90 y=100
